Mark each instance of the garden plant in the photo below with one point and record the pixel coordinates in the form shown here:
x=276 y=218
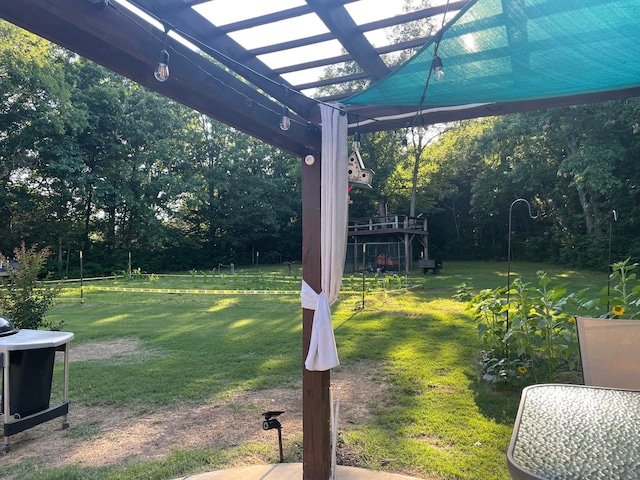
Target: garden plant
x=26 y=296
x=528 y=331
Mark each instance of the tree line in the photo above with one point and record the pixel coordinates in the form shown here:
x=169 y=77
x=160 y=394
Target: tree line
x=578 y=167
x=93 y=162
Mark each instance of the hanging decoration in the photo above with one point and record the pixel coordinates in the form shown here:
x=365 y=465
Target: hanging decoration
x=359 y=176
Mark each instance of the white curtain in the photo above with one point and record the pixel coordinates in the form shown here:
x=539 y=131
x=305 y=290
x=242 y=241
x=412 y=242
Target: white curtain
x=323 y=354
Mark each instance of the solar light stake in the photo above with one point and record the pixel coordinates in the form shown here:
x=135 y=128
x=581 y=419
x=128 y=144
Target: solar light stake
x=270 y=422
x=509 y=257
x=81 y=292
x=364 y=270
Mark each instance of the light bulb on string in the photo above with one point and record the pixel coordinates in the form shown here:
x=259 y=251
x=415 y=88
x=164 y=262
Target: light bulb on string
x=356 y=141
x=161 y=73
x=404 y=148
x=285 y=121
x=436 y=67
x=162 y=70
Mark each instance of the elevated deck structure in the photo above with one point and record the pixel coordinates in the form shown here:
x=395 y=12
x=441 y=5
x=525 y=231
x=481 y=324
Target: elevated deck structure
x=388 y=229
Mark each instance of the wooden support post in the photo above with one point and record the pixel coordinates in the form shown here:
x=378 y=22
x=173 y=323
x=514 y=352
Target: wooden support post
x=316 y=446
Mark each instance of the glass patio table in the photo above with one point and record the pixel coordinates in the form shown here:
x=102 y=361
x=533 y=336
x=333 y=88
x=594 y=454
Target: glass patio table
x=576 y=432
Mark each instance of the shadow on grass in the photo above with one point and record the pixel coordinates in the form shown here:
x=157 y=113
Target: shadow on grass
x=501 y=406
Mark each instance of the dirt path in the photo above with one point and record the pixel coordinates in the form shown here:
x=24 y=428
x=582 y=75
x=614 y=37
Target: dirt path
x=104 y=435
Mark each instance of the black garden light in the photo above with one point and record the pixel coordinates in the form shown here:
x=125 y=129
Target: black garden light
x=270 y=422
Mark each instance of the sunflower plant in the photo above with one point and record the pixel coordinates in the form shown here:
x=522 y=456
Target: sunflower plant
x=625 y=293
x=528 y=332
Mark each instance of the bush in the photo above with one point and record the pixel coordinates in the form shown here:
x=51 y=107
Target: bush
x=25 y=297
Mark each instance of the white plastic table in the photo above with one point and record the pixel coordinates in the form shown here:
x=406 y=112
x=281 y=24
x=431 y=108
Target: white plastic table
x=32 y=340
x=576 y=432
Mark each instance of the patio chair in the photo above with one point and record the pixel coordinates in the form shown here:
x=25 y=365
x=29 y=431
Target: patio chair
x=610 y=352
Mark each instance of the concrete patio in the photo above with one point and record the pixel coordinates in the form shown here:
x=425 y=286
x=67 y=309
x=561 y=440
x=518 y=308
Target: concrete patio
x=291 y=471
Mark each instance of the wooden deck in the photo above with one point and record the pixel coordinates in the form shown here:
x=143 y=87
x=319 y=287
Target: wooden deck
x=388 y=224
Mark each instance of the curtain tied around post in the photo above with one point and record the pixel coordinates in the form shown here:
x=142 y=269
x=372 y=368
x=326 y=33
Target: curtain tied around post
x=323 y=354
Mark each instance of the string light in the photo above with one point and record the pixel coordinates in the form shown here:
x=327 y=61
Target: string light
x=405 y=146
x=285 y=121
x=436 y=66
x=162 y=70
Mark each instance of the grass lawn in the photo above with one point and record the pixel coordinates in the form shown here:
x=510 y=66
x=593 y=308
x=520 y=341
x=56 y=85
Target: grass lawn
x=208 y=338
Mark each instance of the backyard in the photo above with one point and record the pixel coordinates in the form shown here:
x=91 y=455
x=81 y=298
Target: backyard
x=170 y=375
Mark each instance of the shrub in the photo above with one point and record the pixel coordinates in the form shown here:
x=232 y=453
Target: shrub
x=25 y=296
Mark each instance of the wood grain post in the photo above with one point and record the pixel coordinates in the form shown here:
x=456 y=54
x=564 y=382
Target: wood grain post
x=316 y=446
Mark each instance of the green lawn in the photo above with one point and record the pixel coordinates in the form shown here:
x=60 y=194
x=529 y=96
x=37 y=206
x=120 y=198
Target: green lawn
x=438 y=419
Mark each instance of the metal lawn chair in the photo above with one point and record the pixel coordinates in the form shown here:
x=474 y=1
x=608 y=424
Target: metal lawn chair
x=610 y=352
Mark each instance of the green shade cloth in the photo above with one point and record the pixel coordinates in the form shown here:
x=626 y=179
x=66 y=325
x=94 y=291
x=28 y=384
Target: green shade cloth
x=497 y=51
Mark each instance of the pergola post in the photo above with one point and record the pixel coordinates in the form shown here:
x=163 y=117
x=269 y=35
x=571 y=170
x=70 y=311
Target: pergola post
x=316 y=447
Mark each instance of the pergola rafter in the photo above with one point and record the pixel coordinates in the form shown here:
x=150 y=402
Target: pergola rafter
x=220 y=77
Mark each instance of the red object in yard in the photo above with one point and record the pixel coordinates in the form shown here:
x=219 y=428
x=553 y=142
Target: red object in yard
x=383 y=260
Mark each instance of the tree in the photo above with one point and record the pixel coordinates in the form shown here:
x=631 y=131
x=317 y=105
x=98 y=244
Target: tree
x=37 y=111
x=122 y=170
x=244 y=194
x=592 y=151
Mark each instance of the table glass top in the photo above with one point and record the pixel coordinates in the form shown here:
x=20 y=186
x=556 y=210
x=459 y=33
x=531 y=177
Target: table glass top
x=579 y=432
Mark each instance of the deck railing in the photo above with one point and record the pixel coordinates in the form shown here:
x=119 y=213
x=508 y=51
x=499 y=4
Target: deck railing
x=388 y=222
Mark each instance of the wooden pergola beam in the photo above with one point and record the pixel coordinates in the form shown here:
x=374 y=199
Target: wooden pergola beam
x=316 y=443
x=336 y=17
